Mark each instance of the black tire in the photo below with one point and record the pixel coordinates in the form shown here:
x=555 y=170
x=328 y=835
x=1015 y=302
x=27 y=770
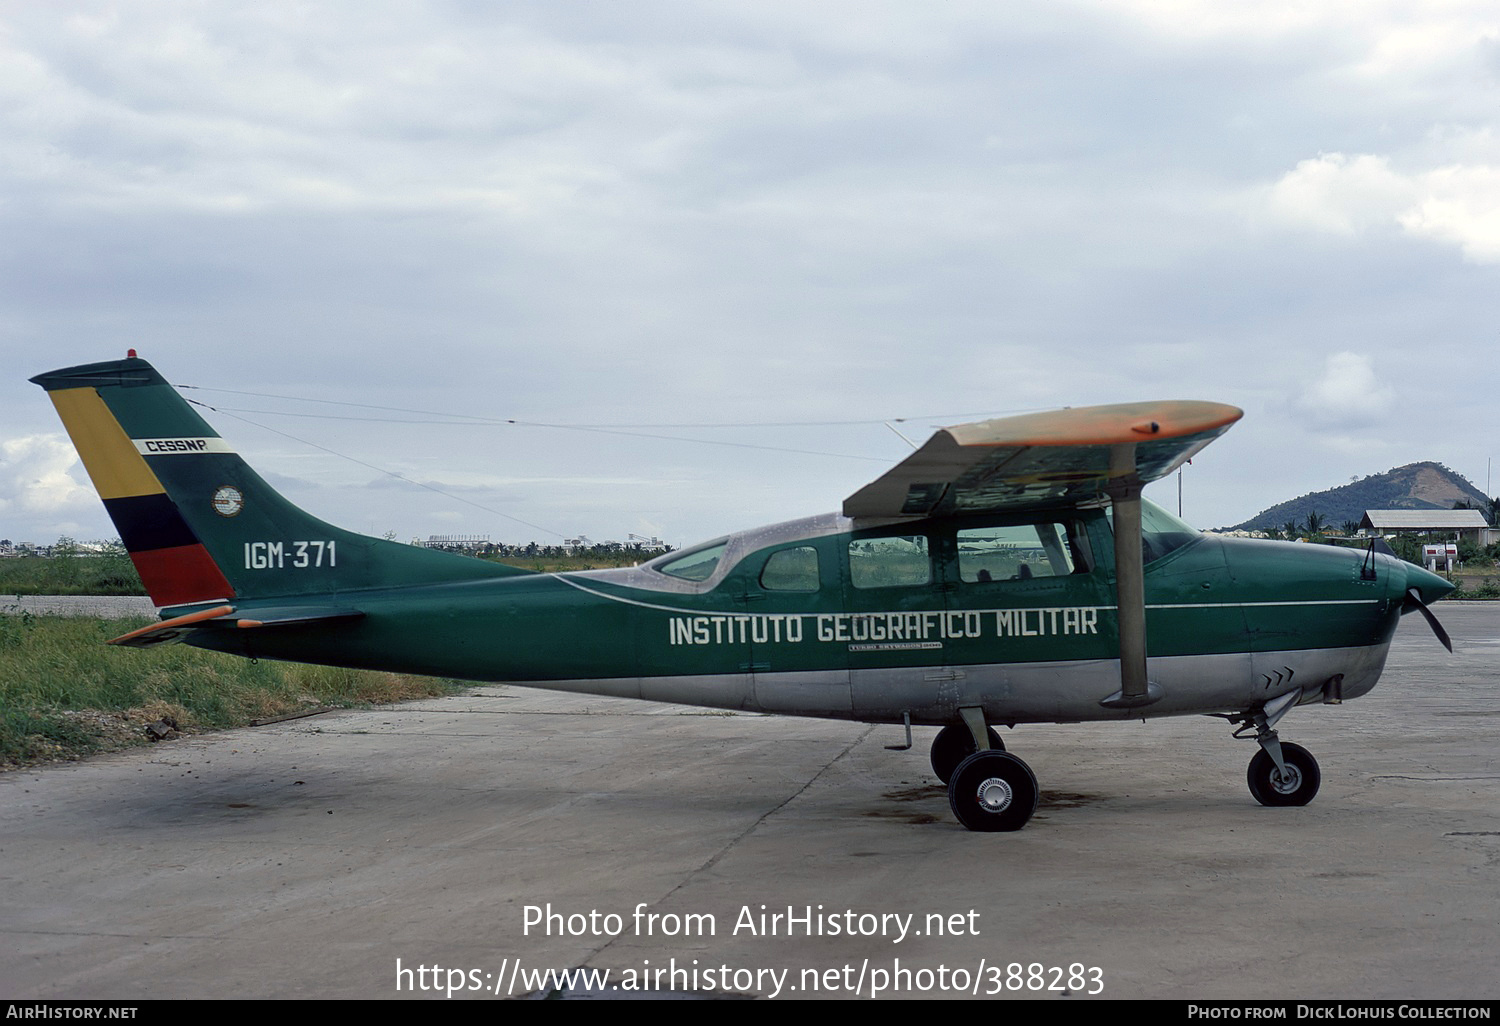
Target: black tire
x=993 y=791
x=953 y=744
x=1302 y=772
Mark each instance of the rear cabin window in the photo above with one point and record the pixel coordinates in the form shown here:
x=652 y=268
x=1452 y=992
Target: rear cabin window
x=895 y=562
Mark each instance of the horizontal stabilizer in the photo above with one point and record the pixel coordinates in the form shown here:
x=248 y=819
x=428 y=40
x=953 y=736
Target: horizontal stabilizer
x=168 y=631
x=228 y=618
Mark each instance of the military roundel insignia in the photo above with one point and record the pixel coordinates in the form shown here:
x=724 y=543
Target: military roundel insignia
x=228 y=501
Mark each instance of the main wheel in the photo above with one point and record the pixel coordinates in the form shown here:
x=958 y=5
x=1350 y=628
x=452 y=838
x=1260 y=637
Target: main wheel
x=993 y=791
x=1297 y=787
x=953 y=744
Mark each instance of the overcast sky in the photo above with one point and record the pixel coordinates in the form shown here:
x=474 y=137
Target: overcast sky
x=807 y=217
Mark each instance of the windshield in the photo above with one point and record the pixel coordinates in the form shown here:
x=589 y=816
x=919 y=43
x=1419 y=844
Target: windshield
x=694 y=565
x=1161 y=532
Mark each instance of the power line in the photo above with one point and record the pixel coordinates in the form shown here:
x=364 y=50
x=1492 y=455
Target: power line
x=561 y=427
x=581 y=426
x=382 y=470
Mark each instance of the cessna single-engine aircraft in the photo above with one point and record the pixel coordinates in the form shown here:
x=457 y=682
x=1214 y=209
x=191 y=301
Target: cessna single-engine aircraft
x=1006 y=572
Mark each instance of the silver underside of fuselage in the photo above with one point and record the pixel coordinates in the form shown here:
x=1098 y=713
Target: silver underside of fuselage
x=1038 y=692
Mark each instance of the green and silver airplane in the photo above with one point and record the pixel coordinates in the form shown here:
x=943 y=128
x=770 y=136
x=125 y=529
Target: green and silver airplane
x=1006 y=572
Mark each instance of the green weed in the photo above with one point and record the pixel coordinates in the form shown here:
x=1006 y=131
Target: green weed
x=55 y=668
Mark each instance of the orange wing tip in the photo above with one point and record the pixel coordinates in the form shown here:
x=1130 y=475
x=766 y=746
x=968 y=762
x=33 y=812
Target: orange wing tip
x=169 y=630
x=1100 y=425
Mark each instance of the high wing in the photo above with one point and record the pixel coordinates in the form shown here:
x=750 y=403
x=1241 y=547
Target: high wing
x=1051 y=459
x=1060 y=458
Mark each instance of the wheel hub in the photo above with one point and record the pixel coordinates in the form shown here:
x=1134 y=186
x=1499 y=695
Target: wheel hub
x=1288 y=782
x=995 y=795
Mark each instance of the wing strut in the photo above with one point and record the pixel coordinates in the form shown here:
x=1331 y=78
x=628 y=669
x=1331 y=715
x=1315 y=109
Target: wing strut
x=1055 y=460
x=1124 y=491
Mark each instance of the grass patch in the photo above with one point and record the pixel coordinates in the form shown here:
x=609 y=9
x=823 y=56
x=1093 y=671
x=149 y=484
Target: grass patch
x=109 y=572
x=65 y=694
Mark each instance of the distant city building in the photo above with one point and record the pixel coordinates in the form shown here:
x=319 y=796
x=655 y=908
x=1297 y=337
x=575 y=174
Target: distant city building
x=10 y=548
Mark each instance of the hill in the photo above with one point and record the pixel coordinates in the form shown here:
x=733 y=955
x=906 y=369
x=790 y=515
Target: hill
x=1414 y=486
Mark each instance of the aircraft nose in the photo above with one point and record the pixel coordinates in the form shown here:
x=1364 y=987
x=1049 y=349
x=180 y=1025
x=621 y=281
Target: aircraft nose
x=1429 y=585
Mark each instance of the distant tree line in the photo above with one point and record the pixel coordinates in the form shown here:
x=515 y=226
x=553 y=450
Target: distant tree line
x=531 y=550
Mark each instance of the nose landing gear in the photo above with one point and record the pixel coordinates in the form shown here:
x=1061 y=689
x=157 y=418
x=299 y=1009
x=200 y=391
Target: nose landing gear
x=1294 y=783
x=1281 y=774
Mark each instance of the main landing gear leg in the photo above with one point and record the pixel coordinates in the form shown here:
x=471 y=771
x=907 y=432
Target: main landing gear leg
x=1281 y=774
x=989 y=789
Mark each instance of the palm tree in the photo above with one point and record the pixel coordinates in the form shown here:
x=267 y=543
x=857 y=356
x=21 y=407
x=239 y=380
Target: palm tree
x=1290 y=530
x=1314 y=523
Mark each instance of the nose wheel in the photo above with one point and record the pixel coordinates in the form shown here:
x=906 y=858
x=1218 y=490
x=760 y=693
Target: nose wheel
x=1281 y=774
x=1295 y=784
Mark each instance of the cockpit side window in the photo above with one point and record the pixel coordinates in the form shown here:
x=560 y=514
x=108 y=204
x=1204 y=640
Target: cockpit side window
x=791 y=570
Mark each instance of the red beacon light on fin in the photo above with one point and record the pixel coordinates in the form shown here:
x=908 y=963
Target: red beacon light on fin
x=130 y=354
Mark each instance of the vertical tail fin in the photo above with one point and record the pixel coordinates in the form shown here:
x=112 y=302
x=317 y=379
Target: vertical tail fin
x=199 y=524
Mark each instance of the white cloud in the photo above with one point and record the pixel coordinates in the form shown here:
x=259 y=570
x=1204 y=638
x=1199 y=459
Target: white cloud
x=1347 y=394
x=1460 y=205
x=1334 y=193
x=35 y=478
x=1457 y=204
x=1382 y=37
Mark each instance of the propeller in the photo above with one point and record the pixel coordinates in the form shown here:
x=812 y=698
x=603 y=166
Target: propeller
x=1414 y=601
